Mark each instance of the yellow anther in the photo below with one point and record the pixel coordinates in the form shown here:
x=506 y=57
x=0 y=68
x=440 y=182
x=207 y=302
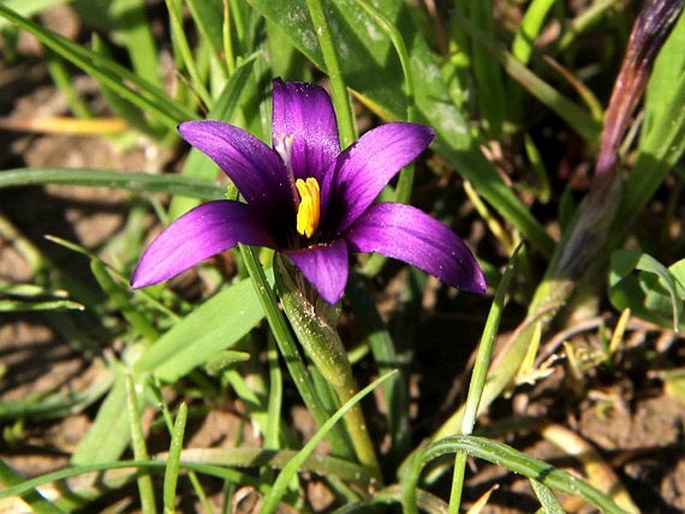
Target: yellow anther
x=309 y=209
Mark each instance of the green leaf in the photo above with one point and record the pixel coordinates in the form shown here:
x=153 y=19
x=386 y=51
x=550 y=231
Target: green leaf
x=549 y=502
x=208 y=17
x=9 y=305
x=513 y=460
x=285 y=59
x=120 y=295
x=109 y=434
x=184 y=54
x=121 y=80
x=136 y=182
x=174 y=459
x=531 y=24
x=36 y=501
x=120 y=106
x=54 y=405
x=217 y=462
x=215 y=325
x=488 y=75
x=653 y=293
x=29 y=7
x=677 y=269
x=376 y=76
x=32 y=297
x=145 y=490
x=126 y=23
x=293 y=466
x=662 y=140
x=223 y=360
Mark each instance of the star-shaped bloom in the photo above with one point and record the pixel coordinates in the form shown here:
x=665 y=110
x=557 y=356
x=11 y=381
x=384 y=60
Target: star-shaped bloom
x=309 y=200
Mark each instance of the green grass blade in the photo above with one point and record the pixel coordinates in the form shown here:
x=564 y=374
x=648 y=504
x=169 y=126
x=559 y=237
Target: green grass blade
x=123 y=108
x=29 y=7
x=173 y=460
x=215 y=325
x=578 y=119
x=513 y=460
x=119 y=79
x=295 y=464
x=109 y=435
x=120 y=296
x=126 y=24
x=662 y=141
x=145 y=488
x=64 y=82
x=136 y=182
x=486 y=346
x=115 y=474
x=36 y=501
x=208 y=17
x=181 y=43
x=509 y=362
x=9 y=305
x=550 y=503
x=405 y=182
x=584 y=21
x=210 y=25
x=329 y=51
x=527 y=32
x=135 y=31
x=490 y=86
x=275 y=401
x=217 y=462
x=320 y=464
x=480 y=373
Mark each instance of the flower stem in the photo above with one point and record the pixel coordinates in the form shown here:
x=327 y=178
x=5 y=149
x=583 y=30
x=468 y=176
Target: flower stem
x=313 y=321
x=341 y=100
x=478 y=377
x=288 y=349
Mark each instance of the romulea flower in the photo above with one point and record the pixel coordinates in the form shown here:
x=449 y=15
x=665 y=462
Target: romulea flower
x=309 y=200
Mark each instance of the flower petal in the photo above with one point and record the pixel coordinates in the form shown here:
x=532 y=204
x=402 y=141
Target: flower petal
x=363 y=170
x=410 y=235
x=256 y=170
x=207 y=230
x=304 y=112
x=326 y=267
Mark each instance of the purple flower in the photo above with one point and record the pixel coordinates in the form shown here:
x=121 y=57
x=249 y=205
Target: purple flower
x=310 y=201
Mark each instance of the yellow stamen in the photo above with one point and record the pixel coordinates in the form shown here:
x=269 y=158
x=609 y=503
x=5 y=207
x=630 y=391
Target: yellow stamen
x=309 y=209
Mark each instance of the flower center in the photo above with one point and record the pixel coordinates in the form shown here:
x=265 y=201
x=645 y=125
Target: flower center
x=309 y=210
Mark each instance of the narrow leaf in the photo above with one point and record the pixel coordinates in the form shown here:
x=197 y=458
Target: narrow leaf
x=173 y=460
x=109 y=435
x=549 y=502
x=213 y=326
x=136 y=182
